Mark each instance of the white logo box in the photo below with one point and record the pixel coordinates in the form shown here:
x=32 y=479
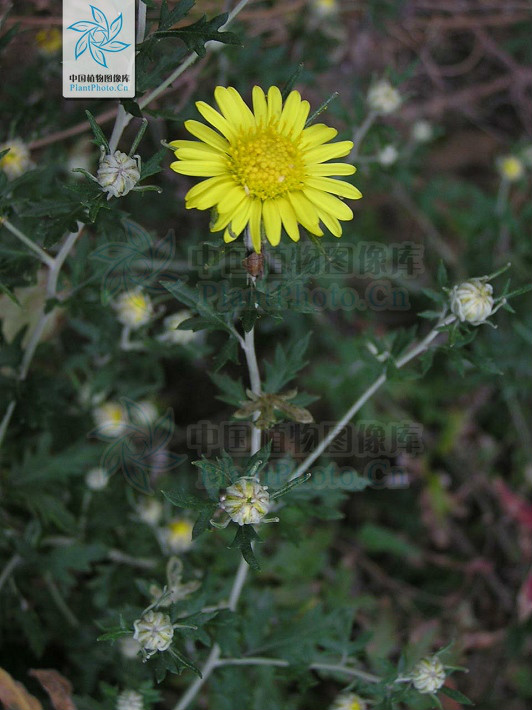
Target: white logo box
x=98 y=49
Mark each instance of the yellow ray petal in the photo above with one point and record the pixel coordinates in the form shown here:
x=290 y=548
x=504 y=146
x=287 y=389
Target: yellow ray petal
x=328 y=152
x=317 y=134
x=216 y=119
x=305 y=212
x=218 y=186
x=232 y=199
x=332 y=224
x=289 y=112
x=289 y=218
x=207 y=135
x=198 y=168
x=275 y=102
x=272 y=221
x=260 y=107
x=329 y=203
x=331 y=169
x=233 y=107
x=254 y=224
x=200 y=151
x=337 y=187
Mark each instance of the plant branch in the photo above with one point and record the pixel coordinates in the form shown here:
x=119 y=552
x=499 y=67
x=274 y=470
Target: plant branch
x=43 y=256
x=420 y=348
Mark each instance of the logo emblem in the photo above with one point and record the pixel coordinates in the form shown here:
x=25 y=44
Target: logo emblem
x=98 y=36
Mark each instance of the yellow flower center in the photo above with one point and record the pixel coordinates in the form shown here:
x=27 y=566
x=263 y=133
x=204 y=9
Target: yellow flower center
x=180 y=529
x=266 y=163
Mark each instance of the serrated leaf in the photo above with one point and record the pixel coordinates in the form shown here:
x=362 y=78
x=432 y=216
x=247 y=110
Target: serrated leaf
x=100 y=139
x=196 y=35
x=182 y=499
x=456 y=695
x=245 y=535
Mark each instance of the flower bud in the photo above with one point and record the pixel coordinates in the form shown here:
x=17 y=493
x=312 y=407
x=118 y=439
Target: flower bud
x=133 y=308
x=97 y=479
x=129 y=700
x=422 y=131
x=429 y=675
x=117 y=174
x=17 y=161
x=472 y=301
x=383 y=98
x=348 y=701
x=388 y=155
x=154 y=632
x=246 y=501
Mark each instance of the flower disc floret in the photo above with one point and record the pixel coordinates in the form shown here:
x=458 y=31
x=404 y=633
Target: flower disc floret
x=264 y=169
x=246 y=501
x=429 y=675
x=154 y=632
x=472 y=301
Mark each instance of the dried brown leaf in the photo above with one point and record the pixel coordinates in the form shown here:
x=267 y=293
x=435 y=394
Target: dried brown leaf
x=58 y=688
x=14 y=696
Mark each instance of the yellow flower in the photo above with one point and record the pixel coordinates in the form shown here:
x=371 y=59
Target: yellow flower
x=264 y=169
x=111 y=419
x=511 y=168
x=134 y=308
x=178 y=535
x=49 y=40
x=17 y=161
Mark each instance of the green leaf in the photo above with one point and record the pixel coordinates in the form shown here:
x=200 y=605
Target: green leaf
x=286 y=364
x=153 y=165
x=233 y=391
x=167 y=18
x=182 y=499
x=456 y=695
x=245 y=535
x=196 y=35
x=99 y=137
x=193 y=298
x=203 y=522
x=378 y=539
x=132 y=107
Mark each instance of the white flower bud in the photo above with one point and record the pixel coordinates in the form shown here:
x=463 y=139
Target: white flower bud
x=178 y=535
x=134 y=308
x=154 y=632
x=117 y=174
x=429 y=675
x=145 y=413
x=348 y=701
x=383 y=98
x=422 y=132
x=246 y=501
x=150 y=511
x=511 y=168
x=472 y=301
x=388 y=155
x=17 y=161
x=129 y=700
x=97 y=479
x=174 y=336
x=111 y=419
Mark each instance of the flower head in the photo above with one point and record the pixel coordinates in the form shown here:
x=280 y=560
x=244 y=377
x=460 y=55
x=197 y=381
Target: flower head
x=111 y=419
x=511 y=168
x=154 y=632
x=134 y=308
x=422 y=131
x=172 y=334
x=246 y=501
x=145 y=413
x=117 y=174
x=129 y=700
x=429 y=675
x=383 y=98
x=97 y=479
x=388 y=155
x=178 y=535
x=472 y=301
x=150 y=511
x=265 y=170
x=17 y=161
x=49 y=40
x=348 y=701
x=324 y=8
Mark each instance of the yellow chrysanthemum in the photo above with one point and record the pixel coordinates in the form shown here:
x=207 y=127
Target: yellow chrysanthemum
x=264 y=169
